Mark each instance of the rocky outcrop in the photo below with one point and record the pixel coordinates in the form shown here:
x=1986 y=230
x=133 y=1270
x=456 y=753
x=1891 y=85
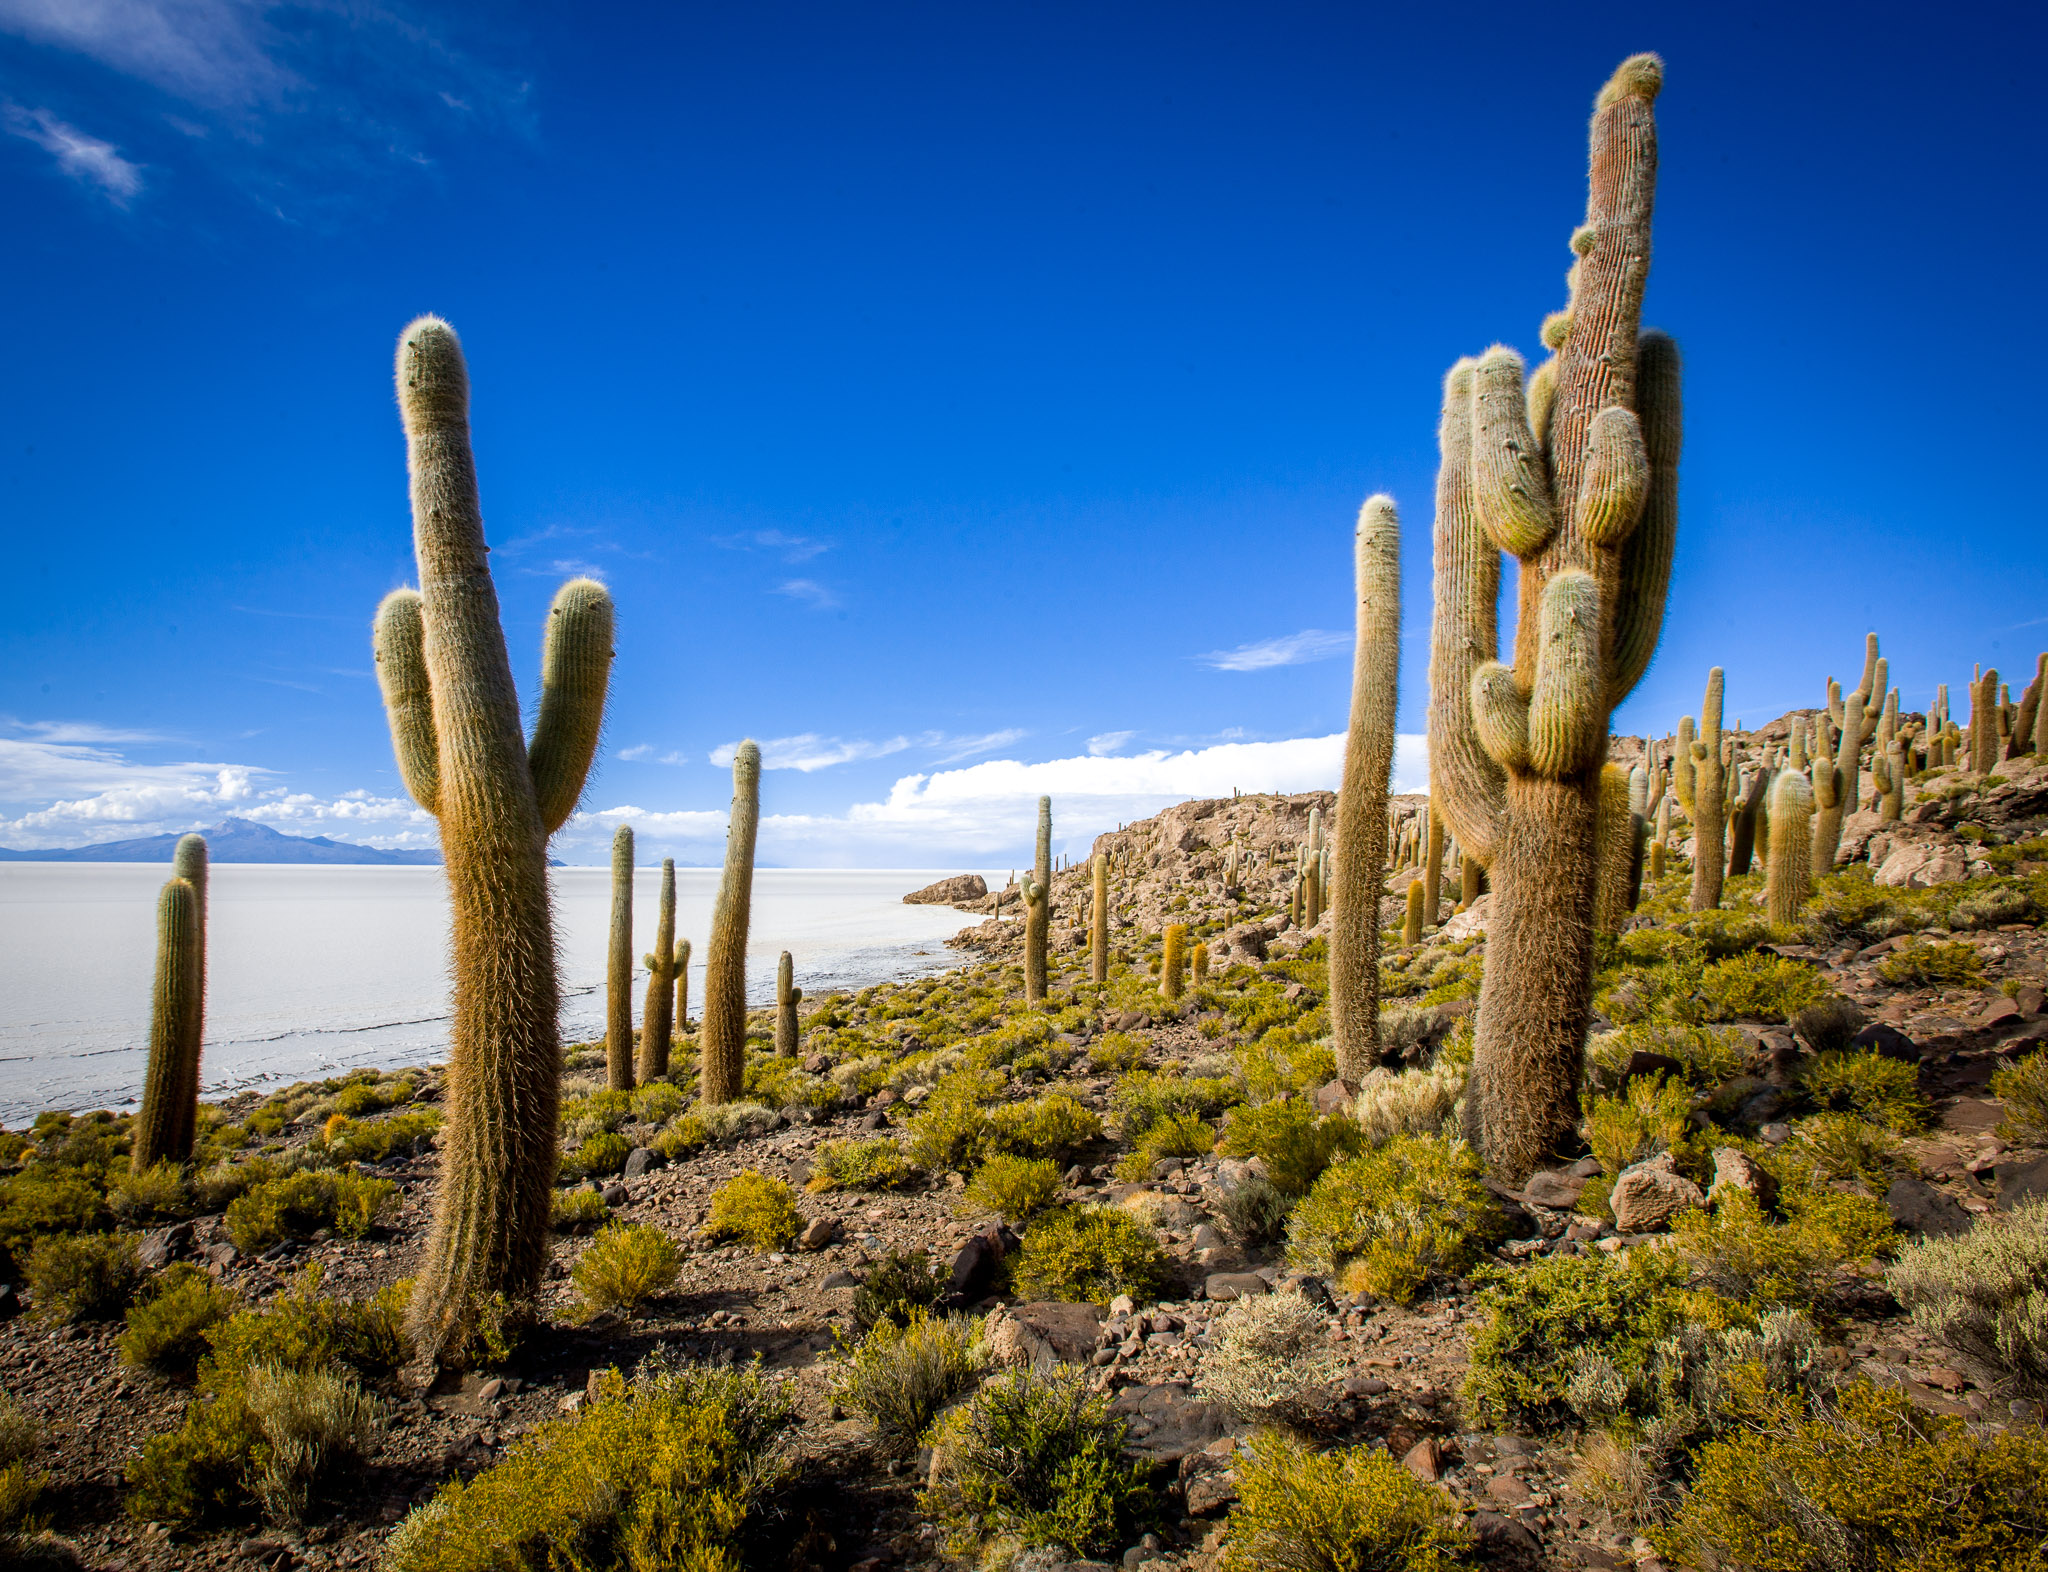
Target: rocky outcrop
x=950 y=892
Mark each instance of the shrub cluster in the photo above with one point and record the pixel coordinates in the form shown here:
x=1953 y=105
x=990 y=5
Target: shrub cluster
x=756 y=1210
x=1089 y=1254
x=299 y=1204
x=1353 y=1509
x=1985 y=1295
x=876 y=1163
x=900 y=1375
x=626 y=1265
x=1384 y=1222
x=1270 y=1360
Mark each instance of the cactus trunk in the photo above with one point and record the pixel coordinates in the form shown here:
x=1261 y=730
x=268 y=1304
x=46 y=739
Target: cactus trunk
x=189 y=862
x=1172 y=956
x=1616 y=832
x=1788 y=870
x=1098 y=920
x=722 y=1042
x=787 y=997
x=658 y=1021
x=1710 y=802
x=682 y=985
x=163 y=1132
x=618 y=971
x=1038 y=907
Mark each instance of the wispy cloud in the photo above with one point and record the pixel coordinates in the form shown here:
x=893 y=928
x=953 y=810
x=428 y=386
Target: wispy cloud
x=954 y=749
x=639 y=750
x=809 y=592
x=1108 y=742
x=809 y=751
x=84 y=158
x=1293 y=649
x=790 y=548
x=222 y=53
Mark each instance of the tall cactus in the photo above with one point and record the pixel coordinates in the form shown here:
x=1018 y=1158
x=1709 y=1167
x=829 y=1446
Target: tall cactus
x=163 y=1128
x=618 y=969
x=1411 y=923
x=1984 y=724
x=1361 y=813
x=454 y=714
x=1709 y=801
x=1433 y=870
x=1681 y=764
x=1173 y=946
x=1836 y=781
x=722 y=1040
x=1788 y=869
x=189 y=862
x=1098 y=920
x=1575 y=474
x=658 y=1019
x=1747 y=821
x=1615 y=840
x=1037 y=890
x=787 y=997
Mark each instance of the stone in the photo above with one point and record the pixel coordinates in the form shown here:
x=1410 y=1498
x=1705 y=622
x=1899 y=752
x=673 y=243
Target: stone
x=639 y=1160
x=1643 y=1062
x=817 y=1064
x=1737 y=1170
x=223 y=1254
x=616 y=1195
x=1997 y=1012
x=1919 y=1209
x=161 y=1246
x=10 y=1302
x=1166 y=1423
x=2030 y=998
x=1585 y=1168
x=1010 y=1342
x=1919 y=865
x=1070 y=1330
x=1332 y=1098
x=1247 y=939
x=1235 y=1285
x=961 y=887
x=977 y=1266
x=1881 y=1037
x=1647 y=1195
x=1210 y=1493
x=2020 y=1181
x=490 y=1391
x=1500 y=1535
x=1774 y=1134
x=837 y=1280
x=821 y=1232
x=1207 y=1238
x=1507 y=1490
x=1548 y=1187
x=1424 y=1460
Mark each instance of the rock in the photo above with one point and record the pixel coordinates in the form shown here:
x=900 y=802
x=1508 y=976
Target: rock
x=1881 y=1037
x=1207 y=1238
x=1235 y=1285
x=836 y=1280
x=1642 y=1062
x=1332 y=1098
x=1918 y=865
x=1925 y=1212
x=2029 y=998
x=1549 y=1187
x=1649 y=1194
x=1365 y=1386
x=1210 y=1493
x=2019 y=1181
x=1737 y=1170
x=222 y=1255
x=817 y=1064
x=616 y=1195
x=1246 y=939
x=961 y=887
x=1069 y=1329
x=1774 y=1134
x=10 y=1302
x=1166 y=1423
x=1585 y=1168
x=1997 y=1012
x=821 y=1232
x=1424 y=1460
x=976 y=1267
x=1470 y=921
x=490 y=1391
x=161 y=1246
x=1499 y=1535
x=1011 y=1343
x=639 y=1160
x=1507 y=1490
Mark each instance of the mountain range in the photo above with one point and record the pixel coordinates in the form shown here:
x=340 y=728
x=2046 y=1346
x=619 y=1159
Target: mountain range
x=231 y=840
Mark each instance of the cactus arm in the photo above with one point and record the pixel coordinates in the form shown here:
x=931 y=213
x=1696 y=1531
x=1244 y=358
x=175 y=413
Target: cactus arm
x=398 y=642
x=576 y=663
x=1617 y=477
x=1098 y=919
x=1872 y=684
x=1361 y=850
x=1510 y=485
x=1567 y=708
x=1681 y=764
x=1647 y=552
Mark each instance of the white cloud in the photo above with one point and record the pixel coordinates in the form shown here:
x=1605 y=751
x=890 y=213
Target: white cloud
x=958 y=748
x=210 y=51
x=1294 y=649
x=1108 y=742
x=84 y=158
x=791 y=548
x=810 y=592
x=810 y=751
x=639 y=750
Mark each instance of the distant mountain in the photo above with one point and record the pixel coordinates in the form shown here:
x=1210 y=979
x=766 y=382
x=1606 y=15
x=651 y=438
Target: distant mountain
x=232 y=840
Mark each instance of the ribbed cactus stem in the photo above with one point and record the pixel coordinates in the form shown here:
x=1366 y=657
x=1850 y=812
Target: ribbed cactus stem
x=1656 y=860
x=657 y=1017
x=1433 y=872
x=1172 y=959
x=787 y=997
x=618 y=971
x=189 y=862
x=1357 y=868
x=1747 y=822
x=1891 y=802
x=1710 y=802
x=1984 y=724
x=1616 y=841
x=1038 y=907
x=1098 y=920
x=1198 y=963
x=1788 y=870
x=722 y=1040
x=173 y=1009
x=1681 y=764
x=454 y=714
x=682 y=985
x=1411 y=925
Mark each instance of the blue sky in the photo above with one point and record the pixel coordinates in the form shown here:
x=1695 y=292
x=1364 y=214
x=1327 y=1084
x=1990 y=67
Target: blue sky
x=965 y=401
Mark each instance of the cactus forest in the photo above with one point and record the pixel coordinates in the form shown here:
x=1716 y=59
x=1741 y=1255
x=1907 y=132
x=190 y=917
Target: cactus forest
x=1629 y=1152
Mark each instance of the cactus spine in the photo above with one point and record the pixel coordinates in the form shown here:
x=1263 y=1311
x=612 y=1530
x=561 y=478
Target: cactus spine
x=1575 y=473
x=787 y=997
x=1098 y=920
x=1038 y=907
x=1710 y=801
x=1172 y=956
x=657 y=1019
x=1788 y=868
x=1357 y=872
x=722 y=1041
x=454 y=715
x=1616 y=834
x=163 y=1128
x=618 y=971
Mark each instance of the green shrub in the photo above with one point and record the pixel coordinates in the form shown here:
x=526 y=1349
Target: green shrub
x=2001 y=903
x=658 y=1102
x=1831 y=1025
x=688 y=1135
x=1353 y=1509
x=1294 y=1144
x=215 y=1187
x=301 y=1203
x=1015 y=1188
x=2024 y=1087
x=1985 y=1294
x=1847 y=1146
x=902 y=1284
x=951 y=1130
x=157 y=1192
x=1871 y=1483
x=38 y=1205
x=318 y=1426
x=1270 y=1359
x=626 y=1265
x=1115 y=1052
x=374 y=1140
x=603 y=1153
x=1178 y=1135
x=1539 y=1321
x=1256 y=1213
x=1758 y=986
x=1415 y=1102
x=1384 y=1222
x=1038 y=1459
x=302 y=1328
x=1144 y=1097
x=1739 y=1252
x=1924 y=965
x=167 y=1329
x=1054 y=1125
x=1648 y=1118
x=1866 y=1083
x=877 y=1163
x=756 y=1210
x=83 y=1277
x=571 y=1211
x=199 y=1473
x=669 y=1471
x=23 y=1543
x=1707 y=1055
x=899 y=1376
x=1089 y=1255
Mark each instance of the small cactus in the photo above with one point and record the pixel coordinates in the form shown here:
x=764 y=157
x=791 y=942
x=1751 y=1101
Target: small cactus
x=1098 y=920
x=682 y=985
x=1433 y=870
x=1037 y=891
x=1681 y=764
x=787 y=997
x=1172 y=957
x=1198 y=963
x=722 y=1042
x=1788 y=869
x=664 y=989
x=618 y=972
x=1710 y=801
x=1411 y=926
x=163 y=1129
x=1656 y=860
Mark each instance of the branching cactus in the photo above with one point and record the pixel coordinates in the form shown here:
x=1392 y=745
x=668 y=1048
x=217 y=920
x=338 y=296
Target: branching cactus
x=163 y=1130
x=658 y=1019
x=1358 y=869
x=1869 y=694
x=1098 y=920
x=1173 y=946
x=722 y=1041
x=1836 y=783
x=1710 y=801
x=2028 y=719
x=1575 y=474
x=787 y=997
x=618 y=969
x=1788 y=870
x=454 y=714
x=1038 y=907
x=1891 y=774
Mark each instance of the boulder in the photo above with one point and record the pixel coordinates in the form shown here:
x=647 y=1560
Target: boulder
x=1167 y=1424
x=961 y=887
x=1737 y=1170
x=1649 y=1194
x=1925 y=1212
x=1881 y=1037
x=977 y=1265
x=1918 y=865
x=1549 y=1187
x=1247 y=941
x=1235 y=1285
x=1011 y=1343
x=1070 y=1330
x=2021 y=1181
x=821 y=1232
x=639 y=1160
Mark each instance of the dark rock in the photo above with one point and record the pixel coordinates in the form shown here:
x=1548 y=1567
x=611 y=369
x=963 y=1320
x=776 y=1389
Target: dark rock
x=1886 y=1039
x=161 y=1246
x=1925 y=1212
x=1762 y=1109
x=978 y=1265
x=1585 y=1168
x=1167 y=1424
x=616 y=1195
x=1642 y=1062
x=1424 y=1460
x=1548 y=1187
x=1071 y=1329
x=10 y=1302
x=1500 y=1536
x=1316 y=1292
x=817 y=1064
x=832 y=1280
x=2020 y=1181
x=1235 y=1285
x=639 y=1160
x=1332 y=1098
